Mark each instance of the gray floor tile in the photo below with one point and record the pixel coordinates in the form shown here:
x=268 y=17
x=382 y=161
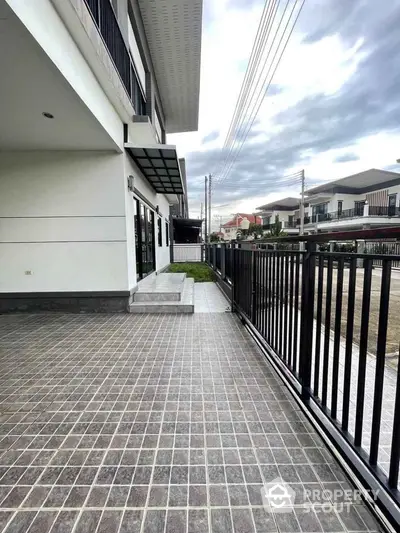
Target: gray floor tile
x=177 y=419
x=21 y=522
x=88 y=521
x=43 y=522
x=65 y=521
x=198 y=521
x=110 y=522
x=221 y=521
x=131 y=522
x=154 y=521
x=176 y=521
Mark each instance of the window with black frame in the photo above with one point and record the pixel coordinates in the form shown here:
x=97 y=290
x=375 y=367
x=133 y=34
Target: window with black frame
x=159 y=226
x=166 y=233
x=144 y=240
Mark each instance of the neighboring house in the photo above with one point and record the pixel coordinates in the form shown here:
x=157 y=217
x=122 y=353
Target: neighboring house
x=241 y=221
x=288 y=211
x=89 y=90
x=364 y=200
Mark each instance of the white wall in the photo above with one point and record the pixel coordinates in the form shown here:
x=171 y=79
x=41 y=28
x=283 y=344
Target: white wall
x=46 y=26
x=67 y=222
x=62 y=218
x=162 y=253
x=395 y=190
x=283 y=217
x=347 y=199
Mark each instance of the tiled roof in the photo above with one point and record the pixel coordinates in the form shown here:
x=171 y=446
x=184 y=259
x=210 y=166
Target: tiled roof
x=241 y=216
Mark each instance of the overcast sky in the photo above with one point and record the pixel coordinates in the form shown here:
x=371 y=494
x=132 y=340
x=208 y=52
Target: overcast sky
x=333 y=108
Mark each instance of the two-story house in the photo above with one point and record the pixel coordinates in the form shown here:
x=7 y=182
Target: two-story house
x=364 y=200
x=241 y=221
x=288 y=211
x=89 y=90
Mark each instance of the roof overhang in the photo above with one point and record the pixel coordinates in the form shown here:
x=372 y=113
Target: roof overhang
x=159 y=165
x=188 y=222
x=173 y=31
x=285 y=204
x=319 y=198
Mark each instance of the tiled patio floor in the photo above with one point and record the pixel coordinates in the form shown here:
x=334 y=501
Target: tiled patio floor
x=152 y=423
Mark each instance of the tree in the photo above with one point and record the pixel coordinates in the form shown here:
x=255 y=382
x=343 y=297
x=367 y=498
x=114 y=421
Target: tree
x=214 y=237
x=255 y=229
x=276 y=229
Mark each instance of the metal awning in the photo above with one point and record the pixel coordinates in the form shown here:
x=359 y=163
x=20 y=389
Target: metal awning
x=188 y=222
x=159 y=165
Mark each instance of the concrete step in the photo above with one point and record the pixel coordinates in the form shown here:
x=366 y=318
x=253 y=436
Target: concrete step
x=161 y=288
x=185 y=305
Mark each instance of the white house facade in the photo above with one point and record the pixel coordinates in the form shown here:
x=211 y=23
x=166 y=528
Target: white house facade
x=365 y=200
x=241 y=221
x=288 y=211
x=89 y=91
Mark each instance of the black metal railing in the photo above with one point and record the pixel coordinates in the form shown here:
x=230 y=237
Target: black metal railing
x=375 y=211
x=104 y=17
x=228 y=254
x=383 y=248
x=384 y=211
x=284 y=223
x=327 y=324
x=218 y=257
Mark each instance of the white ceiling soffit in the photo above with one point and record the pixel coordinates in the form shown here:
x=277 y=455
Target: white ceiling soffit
x=173 y=31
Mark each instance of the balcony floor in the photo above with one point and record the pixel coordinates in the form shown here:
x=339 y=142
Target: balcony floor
x=153 y=423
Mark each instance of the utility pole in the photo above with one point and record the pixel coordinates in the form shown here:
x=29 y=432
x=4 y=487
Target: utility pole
x=209 y=205
x=302 y=203
x=205 y=204
x=201 y=218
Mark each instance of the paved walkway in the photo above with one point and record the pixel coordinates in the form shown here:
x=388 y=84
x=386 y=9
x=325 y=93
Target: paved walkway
x=153 y=423
x=209 y=299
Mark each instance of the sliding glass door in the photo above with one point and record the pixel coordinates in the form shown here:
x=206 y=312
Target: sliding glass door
x=144 y=240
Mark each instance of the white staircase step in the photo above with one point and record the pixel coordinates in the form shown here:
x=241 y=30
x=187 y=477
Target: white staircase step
x=185 y=305
x=161 y=288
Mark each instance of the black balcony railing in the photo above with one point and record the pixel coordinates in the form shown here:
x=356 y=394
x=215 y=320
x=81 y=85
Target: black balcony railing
x=384 y=211
x=319 y=316
x=373 y=211
x=107 y=24
x=285 y=224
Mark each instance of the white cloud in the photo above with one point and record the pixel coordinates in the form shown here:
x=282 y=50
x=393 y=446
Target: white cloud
x=306 y=69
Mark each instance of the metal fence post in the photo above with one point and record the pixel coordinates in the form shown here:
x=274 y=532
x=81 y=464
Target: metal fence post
x=233 y=276
x=253 y=287
x=223 y=255
x=214 y=256
x=307 y=318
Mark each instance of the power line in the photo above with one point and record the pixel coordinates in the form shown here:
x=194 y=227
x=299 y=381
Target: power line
x=249 y=98
x=248 y=74
x=258 y=102
x=253 y=115
x=290 y=180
